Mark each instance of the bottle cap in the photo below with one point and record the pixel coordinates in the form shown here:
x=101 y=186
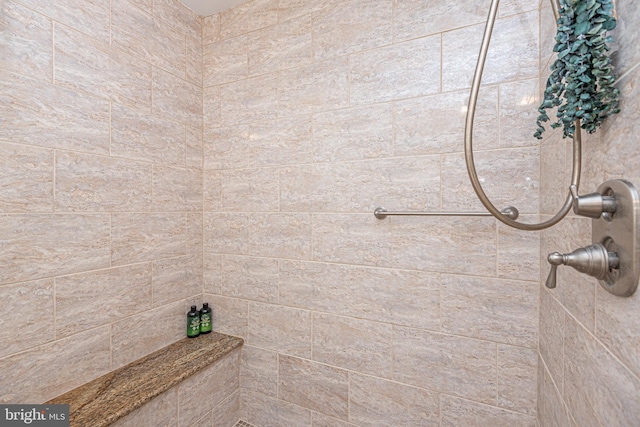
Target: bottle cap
x=205 y=305
x=193 y=308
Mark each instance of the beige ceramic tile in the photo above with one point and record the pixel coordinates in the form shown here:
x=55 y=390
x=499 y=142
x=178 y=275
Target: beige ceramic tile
x=32 y=307
x=253 y=190
x=352 y=239
x=458 y=412
x=211 y=271
x=416 y=18
x=42 y=114
x=374 y=402
x=226 y=233
x=518 y=252
x=176 y=99
x=317 y=286
x=321 y=420
x=353 y=134
x=85 y=182
x=322 y=86
x=504 y=63
x=551 y=340
x=26 y=179
x=547 y=32
x=227 y=147
x=176 y=14
x=195 y=233
x=354 y=344
x=56 y=244
x=91 y=66
x=177 y=278
x=154 y=41
x=351 y=27
x=88 y=16
x=497 y=310
x=226 y=61
x=464 y=244
x=211 y=29
x=510 y=177
x=88 y=300
x=280 y=235
x=195 y=66
x=262 y=410
x=248 y=278
x=288 y=9
x=176 y=189
x=26 y=41
x=160 y=411
x=249 y=100
x=551 y=408
x=519 y=103
x=227 y=413
x=454 y=365
x=597 y=386
x=213 y=385
x=140 y=136
x=399 y=71
x=283 y=329
x=318 y=387
x=229 y=315
x=281 y=46
x=555 y=179
x=138 y=237
x=279 y=142
x=148 y=331
x=517 y=375
x=146 y=5
x=77 y=359
x=399 y=183
x=212 y=109
x=617 y=327
x=194 y=148
x=212 y=191
x=248 y=16
x=626 y=36
x=259 y=370
x=409 y=298
x=414 y=121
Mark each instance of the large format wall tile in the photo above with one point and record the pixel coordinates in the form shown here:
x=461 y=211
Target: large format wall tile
x=259 y=370
x=283 y=329
x=450 y=364
x=176 y=14
x=229 y=315
x=42 y=114
x=374 y=402
x=91 y=183
x=30 y=321
x=253 y=190
x=357 y=345
x=91 y=66
x=249 y=278
x=263 y=410
x=60 y=366
x=176 y=99
x=280 y=235
x=248 y=16
x=176 y=189
x=490 y=309
x=318 y=387
x=26 y=179
x=396 y=72
x=89 y=300
x=351 y=27
x=160 y=411
x=458 y=412
x=26 y=41
x=176 y=278
x=225 y=61
x=254 y=99
x=517 y=375
x=138 y=237
x=37 y=246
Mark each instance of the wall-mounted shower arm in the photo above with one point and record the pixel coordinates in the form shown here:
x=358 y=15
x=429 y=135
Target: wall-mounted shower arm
x=468 y=139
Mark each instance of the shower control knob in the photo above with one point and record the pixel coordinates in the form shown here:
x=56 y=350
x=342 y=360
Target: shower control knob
x=592 y=205
x=593 y=260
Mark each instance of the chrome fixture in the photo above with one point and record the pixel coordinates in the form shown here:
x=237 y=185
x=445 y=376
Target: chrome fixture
x=468 y=138
x=382 y=213
x=614 y=256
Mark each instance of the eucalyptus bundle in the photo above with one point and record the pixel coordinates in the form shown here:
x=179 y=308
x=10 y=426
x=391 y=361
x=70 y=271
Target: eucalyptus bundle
x=582 y=76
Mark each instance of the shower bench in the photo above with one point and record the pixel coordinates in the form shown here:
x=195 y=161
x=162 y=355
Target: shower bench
x=154 y=383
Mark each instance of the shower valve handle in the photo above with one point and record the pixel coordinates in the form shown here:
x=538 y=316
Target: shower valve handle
x=593 y=260
x=592 y=205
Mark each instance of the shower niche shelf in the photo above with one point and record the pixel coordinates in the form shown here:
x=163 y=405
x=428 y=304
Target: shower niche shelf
x=614 y=256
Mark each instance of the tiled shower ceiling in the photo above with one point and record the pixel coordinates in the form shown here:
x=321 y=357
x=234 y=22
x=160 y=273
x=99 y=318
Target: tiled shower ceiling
x=209 y=7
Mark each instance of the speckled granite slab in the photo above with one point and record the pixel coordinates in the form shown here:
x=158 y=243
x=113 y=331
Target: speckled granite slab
x=104 y=400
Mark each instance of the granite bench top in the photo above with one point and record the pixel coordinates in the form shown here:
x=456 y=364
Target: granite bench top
x=110 y=397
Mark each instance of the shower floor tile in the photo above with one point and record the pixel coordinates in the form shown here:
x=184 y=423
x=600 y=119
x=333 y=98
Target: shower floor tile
x=243 y=424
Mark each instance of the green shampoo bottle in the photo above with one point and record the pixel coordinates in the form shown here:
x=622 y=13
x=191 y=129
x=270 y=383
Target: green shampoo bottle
x=205 y=319
x=193 y=322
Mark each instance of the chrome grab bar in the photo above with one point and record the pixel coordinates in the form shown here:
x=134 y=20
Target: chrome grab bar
x=382 y=213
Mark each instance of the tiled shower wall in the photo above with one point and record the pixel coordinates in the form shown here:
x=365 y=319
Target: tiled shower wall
x=100 y=187
x=589 y=358
x=315 y=113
